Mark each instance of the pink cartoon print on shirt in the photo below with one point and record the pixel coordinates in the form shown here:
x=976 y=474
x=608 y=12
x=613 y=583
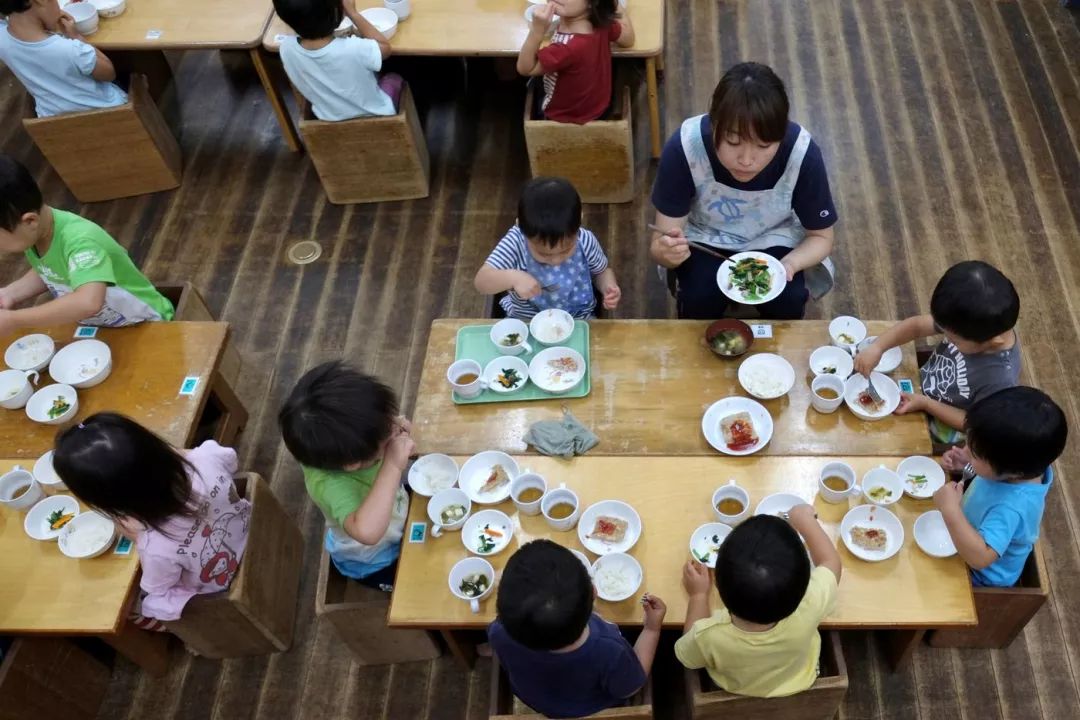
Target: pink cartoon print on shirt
x=218 y=558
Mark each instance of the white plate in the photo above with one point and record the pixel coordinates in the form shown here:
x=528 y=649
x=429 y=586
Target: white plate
x=36 y=523
x=774 y=366
x=437 y=467
x=477 y=469
x=505 y=362
x=919 y=465
x=872 y=516
x=776 y=269
x=890 y=359
x=888 y=390
x=710 y=423
x=831 y=356
x=778 y=503
x=630 y=566
x=932 y=535
x=703 y=543
x=31 y=352
x=82 y=364
x=102 y=529
x=613 y=508
x=474 y=526
x=550 y=380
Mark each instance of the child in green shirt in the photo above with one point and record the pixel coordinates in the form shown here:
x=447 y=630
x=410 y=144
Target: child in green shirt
x=90 y=276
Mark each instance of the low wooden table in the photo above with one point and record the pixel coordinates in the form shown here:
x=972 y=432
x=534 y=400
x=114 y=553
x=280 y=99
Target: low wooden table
x=651 y=383
x=910 y=591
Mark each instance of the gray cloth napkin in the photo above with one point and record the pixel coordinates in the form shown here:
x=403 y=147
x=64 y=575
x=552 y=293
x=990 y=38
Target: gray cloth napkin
x=565 y=438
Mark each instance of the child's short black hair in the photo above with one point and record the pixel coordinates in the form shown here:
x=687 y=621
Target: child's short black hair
x=311 y=19
x=976 y=301
x=545 y=596
x=19 y=194
x=549 y=210
x=602 y=12
x=1018 y=431
x=10 y=7
x=762 y=571
x=749 y=101
x=337 y=416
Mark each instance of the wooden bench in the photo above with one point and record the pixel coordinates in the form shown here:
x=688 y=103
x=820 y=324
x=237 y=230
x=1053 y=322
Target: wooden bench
x=1002 y=611
x=597 y=157
x=51 y=679
x=820 y=702
x=502 y=704
x=369 y=159
x=257 y=614
x=110 y=153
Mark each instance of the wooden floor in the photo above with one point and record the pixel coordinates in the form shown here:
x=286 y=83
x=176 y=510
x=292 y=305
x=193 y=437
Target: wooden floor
x=951 y=129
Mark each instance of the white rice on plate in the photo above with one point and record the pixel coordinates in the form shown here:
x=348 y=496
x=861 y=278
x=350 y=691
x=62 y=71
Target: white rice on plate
x=759 y=381
x=615 y=580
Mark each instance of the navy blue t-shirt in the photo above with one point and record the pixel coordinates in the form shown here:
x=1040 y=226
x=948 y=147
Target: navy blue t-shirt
x=600 y=674
x=673 y=191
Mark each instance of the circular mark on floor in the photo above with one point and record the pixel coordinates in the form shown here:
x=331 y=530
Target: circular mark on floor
x=304 y=252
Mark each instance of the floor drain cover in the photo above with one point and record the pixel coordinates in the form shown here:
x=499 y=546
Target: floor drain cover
x=304 y=252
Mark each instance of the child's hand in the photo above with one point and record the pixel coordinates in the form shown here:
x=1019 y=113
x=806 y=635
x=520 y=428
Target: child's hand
x=399 y=449
x=6 y=301
x=948 y=496
x=655 y=610
x=910 y=402
x=542 y=16
x=526 y=286
x=695 y=578
x=801 y=514
x=612 y=295
x=955 y=459
x=868 y=359
x=66 y=25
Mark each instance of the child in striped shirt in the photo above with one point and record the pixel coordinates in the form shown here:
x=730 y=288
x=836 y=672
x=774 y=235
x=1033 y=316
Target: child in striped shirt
x=547 y=260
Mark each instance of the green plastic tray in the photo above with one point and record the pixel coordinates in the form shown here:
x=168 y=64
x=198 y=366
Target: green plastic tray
x=474 y=343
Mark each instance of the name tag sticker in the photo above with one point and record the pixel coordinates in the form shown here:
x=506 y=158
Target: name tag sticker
x=123 y=547
x=280 y=38
x=417 y=532
x=188 y=386
x=762 y=331
x=906 y=386
x=153 y=34
x=84 y=331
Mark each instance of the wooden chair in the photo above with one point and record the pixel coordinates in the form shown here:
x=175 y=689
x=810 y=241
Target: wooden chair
x=257 y=614
x=820 y=702
x=501 y=706
x=111 y=153
x=51 y=679
x=358 y=613
x=597 y=157
x=369 y=159
x=1002 y=612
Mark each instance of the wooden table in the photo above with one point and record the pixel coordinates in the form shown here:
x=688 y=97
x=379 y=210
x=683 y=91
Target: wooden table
x=911 y=590
x=150 y=361
x=462 y=28
x=651 y=383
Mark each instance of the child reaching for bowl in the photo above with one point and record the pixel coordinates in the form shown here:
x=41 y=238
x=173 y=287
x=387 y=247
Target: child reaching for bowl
x=547 y=260
x=90 y=276
x=180 y=507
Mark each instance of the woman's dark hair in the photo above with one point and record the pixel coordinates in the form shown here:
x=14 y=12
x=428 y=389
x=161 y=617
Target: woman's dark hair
x=10 y=7
x=976 y=301
x=549 y=210
x=311 y=19
x=749 y=101
x=1018 y=431
x=117 y=466
x=602 y=12
x=545 y=596
x=762 y=571
x=19 y=194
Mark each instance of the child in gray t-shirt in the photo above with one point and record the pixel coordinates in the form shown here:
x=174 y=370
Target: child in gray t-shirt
x=975 y=307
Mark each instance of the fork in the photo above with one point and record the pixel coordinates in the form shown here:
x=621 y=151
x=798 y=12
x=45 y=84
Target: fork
x=549 y=288
x=872 y=391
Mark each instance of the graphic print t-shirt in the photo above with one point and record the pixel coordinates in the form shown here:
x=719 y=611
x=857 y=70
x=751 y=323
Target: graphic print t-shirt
x=961 y=380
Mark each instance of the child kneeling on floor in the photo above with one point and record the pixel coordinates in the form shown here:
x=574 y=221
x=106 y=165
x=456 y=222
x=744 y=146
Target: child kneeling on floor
x=764 y=641
x=1012 y=438
x=343 y=427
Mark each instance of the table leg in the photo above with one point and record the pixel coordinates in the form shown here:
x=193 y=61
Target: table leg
x=654 y=106
x=462 y=650
x=148 y=650
x=660 y=63
x=898 y=645
x=277 y=101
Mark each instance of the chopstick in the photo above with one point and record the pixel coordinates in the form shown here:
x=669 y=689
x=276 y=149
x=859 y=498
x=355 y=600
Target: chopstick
x=695 y=245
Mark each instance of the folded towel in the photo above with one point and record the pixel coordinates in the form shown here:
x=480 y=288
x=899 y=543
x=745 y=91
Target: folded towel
x=564 y=438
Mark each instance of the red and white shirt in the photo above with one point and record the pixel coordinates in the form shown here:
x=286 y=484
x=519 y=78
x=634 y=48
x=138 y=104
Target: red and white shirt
x=577 y=74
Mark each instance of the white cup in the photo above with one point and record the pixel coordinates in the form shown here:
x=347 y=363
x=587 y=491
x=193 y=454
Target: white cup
x=465 y=367
x=16 y=387
x=556 y=496
x=523 y=482
x=837 y=469
x=824 y=405
x=733 y=491
x=401 y=8
x=19 y=490
x=443 y=499
x=470 y=566
x=511 y=326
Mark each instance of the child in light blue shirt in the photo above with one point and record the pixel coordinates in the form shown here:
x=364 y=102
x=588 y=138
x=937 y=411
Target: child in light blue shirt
x=1012 y=438
x=49 y=57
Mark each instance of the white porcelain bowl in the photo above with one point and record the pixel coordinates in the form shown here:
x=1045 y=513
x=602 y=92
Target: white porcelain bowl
x=715 y=414
x=610 y=508
x=37 y=408
x=621 y=564
x=82 y=364
x=888 y=390
x=109 y=8
x=494 y=370
x=778 y=503
x=85 y=16
x=532 y=8
x=706 y=540
x=477 y=469
x=31 y=352
x=830 y=357
x=36 y=523
x=90 y=534
x=890 y=359
x=872 y=517
x=845 y=328
x=493 y=525
x=384 y=20
x=552 y=379
x=432 y=473
x=45 y=474
x=766 y=376
x=932 y=535
x=551 y=327
x=881 y=486
x=916 y=466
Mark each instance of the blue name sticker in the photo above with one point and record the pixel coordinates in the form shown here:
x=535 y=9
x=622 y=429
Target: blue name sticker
x=188 y=386
x=417 y=532
x=84 y=331
x=123 y=547
x=906 y=386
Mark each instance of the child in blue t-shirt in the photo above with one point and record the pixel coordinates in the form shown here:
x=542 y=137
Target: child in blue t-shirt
x=1012 y=437
x=547 y=260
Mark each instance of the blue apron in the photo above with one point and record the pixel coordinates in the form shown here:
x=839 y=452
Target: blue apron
x=575 y=293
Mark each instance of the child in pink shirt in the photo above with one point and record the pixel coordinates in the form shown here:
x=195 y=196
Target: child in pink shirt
x=181 y=508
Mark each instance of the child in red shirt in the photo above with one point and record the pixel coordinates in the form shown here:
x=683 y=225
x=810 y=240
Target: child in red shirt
x=577 y=64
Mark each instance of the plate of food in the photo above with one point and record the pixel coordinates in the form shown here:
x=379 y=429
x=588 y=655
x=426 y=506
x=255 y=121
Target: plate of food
x=617 y=576
x=609 y=526
x=922 y=476
x=487 y=532
x=47 y=519
x=486 y=476
x=890 y=359
x=53 y=404
x=872 y=533
x=432 y=473
x=706 y=540
x=557 y=370
x=857 y=396
x=847 y=332
x=882 y=486
x=729 y=337
x=506 y=374
x=87 y=535
x=751 y=278
x=737 y=425
x=778 y=504
x=831 y=360
x=766 y=376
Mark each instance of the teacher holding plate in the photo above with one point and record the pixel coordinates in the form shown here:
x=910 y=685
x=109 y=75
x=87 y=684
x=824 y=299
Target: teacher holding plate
x=743 y=181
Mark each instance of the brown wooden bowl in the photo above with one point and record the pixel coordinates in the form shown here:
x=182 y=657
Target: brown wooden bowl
x=729 y=324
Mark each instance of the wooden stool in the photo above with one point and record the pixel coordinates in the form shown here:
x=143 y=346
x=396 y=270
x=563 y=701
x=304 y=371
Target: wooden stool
x=820 y=702
x=597 y=157
x=111 y=153
x=501 y=706
x=369 y=159
x=358 y=613
x=1002 y=611
x=257 y=614
x=51 y=679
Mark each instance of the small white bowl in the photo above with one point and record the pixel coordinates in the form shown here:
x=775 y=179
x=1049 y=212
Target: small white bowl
x=37 y=408
x=890 y=394
x=550 y=379
x=831 y=357
x=85 y=16
x=443 y=500
x=45 y=474
x=611 y=508
x=36 y=523
x=31 y=352
x=932 y=535
x=384 y=20
x=471 y=566
x=872 y=516
x=532 y=8
x=584 y=560
x=551 y=327
x=919 y=465
x=772 y=366
x=852 y=328
x=715 y=414
x=431 y=473
x=477 y=469
x=90 y=534
x=706 y=540
x=882 y=477
x=890 y=359
x=492 y=519
x=627 y=564
x=778 y=503
x=109 y=8
x=502 y=331
x=82 y=364
x=495 y=369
